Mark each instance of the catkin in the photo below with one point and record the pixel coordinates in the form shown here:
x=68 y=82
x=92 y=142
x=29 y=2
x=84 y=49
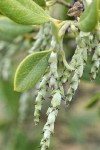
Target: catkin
x=55 y=103
x=78 y=61
x=40 y=97
x=96 y=62
x=52 y=114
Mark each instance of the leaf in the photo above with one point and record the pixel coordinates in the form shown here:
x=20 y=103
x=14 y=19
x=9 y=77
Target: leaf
x=12 y=29
x=93 y=101
x=90 y=17
x=31 y=70
x=40 y=2
x=24 y=12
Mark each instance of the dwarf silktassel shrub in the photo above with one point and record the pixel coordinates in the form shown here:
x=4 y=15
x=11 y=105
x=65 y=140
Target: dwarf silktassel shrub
x=47 y=64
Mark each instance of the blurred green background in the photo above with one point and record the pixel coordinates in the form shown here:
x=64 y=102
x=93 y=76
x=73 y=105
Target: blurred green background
x=76 y=128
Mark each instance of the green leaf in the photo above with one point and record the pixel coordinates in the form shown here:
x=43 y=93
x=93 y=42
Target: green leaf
x=90 y=17
x=12 y=29
x=93 y=101
x=31 y=70
x=24 y=12
x=40 y=2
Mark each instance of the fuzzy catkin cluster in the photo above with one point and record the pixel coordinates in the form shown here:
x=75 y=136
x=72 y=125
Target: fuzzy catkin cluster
x=78 y=62
x=49 y=126
x=40 y=97
x=53 y=80
x=55 y=103
x=50 y=80
x=43 y=38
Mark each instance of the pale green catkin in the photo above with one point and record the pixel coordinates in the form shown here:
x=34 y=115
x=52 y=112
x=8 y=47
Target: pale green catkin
x=83 y=38
x=78 y=61
x=52 y=114
x=55 y=103
x=51 y=77
x=53 y=71
x=96 y=62
x=96 y=55
x=40 y=97
x=75 y=79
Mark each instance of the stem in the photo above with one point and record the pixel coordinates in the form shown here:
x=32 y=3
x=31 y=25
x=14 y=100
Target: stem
x=58 y=30
x=65 y=62
x=64 y=3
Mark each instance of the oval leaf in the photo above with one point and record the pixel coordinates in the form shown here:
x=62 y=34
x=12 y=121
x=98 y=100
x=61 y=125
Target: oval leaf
x=24 y=12
x=31 y=70
x=90 y=17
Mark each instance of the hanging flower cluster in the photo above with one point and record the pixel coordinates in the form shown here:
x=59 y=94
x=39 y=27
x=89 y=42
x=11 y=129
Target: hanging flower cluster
x=53 y=81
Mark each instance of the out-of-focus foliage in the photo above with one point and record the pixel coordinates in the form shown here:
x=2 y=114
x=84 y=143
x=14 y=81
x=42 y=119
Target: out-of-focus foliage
x=13 y=38
x=10 y=29
x=93 y=101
